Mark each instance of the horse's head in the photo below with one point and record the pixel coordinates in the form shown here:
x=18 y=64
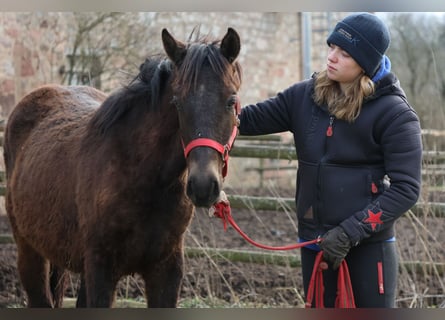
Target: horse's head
x=205 y=85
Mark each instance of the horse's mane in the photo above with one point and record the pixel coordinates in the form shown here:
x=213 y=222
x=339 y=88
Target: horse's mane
x=145 y=89
x=149 y=85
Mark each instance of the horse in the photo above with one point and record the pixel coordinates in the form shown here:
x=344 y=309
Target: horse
x=106 y=186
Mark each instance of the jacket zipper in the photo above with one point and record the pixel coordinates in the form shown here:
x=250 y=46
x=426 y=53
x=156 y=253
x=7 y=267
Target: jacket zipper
x=329 y=133
x=330 y=129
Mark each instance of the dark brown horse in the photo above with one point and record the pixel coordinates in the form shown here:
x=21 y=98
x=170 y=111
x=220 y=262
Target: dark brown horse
x=101 y=186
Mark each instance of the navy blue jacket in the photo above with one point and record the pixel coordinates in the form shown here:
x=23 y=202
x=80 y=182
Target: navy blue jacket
x=342 y=178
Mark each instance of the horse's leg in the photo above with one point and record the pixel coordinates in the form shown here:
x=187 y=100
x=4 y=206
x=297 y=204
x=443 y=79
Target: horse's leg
x=81 y=301
x=58 y=285
x=81 y=294
x=34 y=275
x=100 y=282
x=162 y=284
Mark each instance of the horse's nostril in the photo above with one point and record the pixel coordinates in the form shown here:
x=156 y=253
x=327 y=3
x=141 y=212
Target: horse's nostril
x=190 y=187
x=215 y=189
x=203 y=192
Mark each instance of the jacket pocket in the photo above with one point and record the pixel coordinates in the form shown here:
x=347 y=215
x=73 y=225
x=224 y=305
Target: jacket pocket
x=344 y=190
x=306 y=191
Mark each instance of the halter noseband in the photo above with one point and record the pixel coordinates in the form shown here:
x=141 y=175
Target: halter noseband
x=210 y=143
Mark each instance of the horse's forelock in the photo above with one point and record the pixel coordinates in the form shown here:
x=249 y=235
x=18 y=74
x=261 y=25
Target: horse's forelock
x=197 y=55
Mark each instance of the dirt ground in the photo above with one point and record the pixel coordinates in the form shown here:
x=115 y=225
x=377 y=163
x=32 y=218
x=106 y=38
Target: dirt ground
x=251 y=284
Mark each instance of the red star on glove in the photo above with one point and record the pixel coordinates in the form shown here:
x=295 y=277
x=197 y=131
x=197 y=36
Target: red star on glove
x=374 y=219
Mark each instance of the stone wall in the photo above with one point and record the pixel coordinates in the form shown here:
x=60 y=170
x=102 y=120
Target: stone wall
x=33 y=47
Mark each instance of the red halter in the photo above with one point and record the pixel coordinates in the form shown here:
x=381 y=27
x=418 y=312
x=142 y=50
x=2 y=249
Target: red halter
x=222 y=149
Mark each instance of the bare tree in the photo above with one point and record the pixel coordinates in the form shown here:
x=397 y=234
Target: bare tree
x=101 y=44
x=440 y=59
x=417 y=52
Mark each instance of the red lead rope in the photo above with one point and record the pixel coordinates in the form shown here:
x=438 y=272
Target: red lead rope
x=222 y=210
x=345 y=295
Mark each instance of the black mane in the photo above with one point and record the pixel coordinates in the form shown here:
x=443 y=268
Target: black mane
x=149 y=85
x=145 y=90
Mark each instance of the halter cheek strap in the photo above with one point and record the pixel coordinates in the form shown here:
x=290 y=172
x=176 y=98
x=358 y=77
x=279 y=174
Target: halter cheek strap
x=210 y=143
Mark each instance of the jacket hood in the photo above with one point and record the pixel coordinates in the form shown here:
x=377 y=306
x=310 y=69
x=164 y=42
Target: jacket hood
x=388 y=85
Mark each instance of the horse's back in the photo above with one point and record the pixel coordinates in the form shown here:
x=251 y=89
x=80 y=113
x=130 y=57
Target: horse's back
x=51 y=101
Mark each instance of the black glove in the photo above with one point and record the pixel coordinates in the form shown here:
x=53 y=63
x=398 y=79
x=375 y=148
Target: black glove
x=335 y=245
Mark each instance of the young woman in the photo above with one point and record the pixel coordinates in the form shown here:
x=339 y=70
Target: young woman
x=359 y=151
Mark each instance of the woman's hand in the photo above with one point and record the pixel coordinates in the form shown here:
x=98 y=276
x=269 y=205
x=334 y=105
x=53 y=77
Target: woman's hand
x=335 y=245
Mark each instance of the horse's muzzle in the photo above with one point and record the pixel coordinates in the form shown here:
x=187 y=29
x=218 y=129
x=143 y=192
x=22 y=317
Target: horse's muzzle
x=203 y=189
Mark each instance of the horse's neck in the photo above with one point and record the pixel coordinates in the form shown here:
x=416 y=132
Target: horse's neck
x=156 y=141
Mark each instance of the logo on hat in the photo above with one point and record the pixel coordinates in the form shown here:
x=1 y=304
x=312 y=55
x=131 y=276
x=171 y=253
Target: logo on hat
x=348 y=36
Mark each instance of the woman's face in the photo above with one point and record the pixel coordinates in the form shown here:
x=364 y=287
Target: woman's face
x=341 y=67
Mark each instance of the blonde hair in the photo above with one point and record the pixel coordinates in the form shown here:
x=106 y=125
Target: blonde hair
x=345 y=105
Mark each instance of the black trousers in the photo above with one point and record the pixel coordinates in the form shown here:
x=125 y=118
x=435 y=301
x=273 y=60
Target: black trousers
x=373 y=268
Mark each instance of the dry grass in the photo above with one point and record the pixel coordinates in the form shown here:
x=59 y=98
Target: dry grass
x=215 y=280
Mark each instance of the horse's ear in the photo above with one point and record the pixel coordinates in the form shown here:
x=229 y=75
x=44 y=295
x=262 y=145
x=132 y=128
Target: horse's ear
x=231 y=45
x=175 y=49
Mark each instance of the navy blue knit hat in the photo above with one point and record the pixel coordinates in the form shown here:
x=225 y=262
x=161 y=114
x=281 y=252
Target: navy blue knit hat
x=365 y=37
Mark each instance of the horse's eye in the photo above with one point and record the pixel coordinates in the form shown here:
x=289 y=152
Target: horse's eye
x=231 y=102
